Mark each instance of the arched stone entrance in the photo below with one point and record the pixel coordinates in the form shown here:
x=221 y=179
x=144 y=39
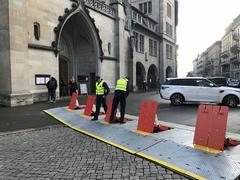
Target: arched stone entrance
x=63 y=75
x=78 y=43
x=169 y=72
x=152 y=77
x=140 y=75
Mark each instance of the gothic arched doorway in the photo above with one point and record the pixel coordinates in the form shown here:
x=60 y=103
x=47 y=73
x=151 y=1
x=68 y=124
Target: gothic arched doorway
x=78 y=42
x=63 y=76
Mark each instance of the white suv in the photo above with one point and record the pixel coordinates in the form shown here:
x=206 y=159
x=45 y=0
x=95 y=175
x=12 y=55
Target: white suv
x=198 y=89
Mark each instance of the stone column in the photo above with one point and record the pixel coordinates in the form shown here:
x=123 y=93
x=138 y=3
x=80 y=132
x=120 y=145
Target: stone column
x=121 y=49
x=20 y=94
x=5 y=72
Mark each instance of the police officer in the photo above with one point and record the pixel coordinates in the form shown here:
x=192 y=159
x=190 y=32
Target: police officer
x=120 y=95
x=102 y=91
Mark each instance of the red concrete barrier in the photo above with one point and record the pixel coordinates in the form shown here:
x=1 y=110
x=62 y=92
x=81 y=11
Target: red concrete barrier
x=109 y=110
x=89 y=105
x=147 y=116
x=73 y=101
x=210 y=127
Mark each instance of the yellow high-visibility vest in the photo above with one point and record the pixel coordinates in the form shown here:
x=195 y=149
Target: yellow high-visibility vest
x=121 y=85
x=100 y=88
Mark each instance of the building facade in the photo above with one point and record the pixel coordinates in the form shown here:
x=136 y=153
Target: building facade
x=230 y=57
x=223 y=57
x=165 y=13
x=81 y=39
x=212 y=61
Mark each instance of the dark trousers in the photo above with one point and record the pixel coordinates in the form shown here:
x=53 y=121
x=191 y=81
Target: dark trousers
x=100 y=100
x=119 y=96
x=51 y=94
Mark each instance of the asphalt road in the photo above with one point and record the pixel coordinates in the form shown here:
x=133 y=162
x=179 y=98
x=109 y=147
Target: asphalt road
x=32 y=116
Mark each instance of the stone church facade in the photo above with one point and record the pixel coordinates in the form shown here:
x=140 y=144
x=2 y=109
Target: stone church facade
x=80 y=39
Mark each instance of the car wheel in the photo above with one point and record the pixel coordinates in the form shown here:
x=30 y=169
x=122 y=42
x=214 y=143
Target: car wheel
x=231 y=101
x=177 y=99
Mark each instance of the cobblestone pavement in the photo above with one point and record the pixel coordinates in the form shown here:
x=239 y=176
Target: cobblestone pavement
x=59 y=152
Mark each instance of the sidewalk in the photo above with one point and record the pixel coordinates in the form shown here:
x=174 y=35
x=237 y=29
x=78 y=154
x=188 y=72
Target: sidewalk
x=30 y=116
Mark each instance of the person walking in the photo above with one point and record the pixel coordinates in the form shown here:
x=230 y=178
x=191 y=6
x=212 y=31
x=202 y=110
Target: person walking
x=52 y=86
x=144 y=85
x=102 y=91
x=158 y=86
x=120 y=95
x=74 y=88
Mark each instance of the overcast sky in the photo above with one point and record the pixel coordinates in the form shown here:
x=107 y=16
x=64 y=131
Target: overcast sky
x=201 y=23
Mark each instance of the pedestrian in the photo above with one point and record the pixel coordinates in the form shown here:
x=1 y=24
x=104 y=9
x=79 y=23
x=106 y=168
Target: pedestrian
x=102 y=91
x=158 y=86
x=144 y=85
x=120 y=95
x=63 y=90
x=74 y=88
x=52 y=86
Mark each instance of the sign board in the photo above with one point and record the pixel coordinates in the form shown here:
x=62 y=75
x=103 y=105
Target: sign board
x=41 y=79
x=83 y=79
x=83 y=89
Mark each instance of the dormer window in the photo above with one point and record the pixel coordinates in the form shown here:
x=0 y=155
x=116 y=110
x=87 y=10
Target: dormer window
x=36 y=29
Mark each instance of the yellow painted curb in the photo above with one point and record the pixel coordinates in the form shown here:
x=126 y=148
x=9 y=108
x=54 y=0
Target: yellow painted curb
x=70 y=110
x=141 y=132
x=104 y=122
x=177 y=169
x=207 y=149
x=85 y=116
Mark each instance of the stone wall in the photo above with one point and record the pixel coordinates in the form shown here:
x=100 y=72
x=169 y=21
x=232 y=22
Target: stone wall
x=5 y=70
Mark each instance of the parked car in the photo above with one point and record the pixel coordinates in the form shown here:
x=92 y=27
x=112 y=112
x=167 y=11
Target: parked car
x=198 y=89
x=233 y=82
x=220 y=81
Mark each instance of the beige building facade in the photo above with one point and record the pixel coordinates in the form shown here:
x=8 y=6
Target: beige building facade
x=230 y=56
x=223 y=57
x=74 y=38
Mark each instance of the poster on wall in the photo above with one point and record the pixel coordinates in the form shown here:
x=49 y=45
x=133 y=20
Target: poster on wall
x=83 y=89
x=41 y=79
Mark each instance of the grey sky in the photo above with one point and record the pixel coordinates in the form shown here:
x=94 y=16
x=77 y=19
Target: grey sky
x=201 y=23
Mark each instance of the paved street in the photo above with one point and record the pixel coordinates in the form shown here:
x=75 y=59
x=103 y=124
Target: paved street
x=61 y=153
x=48 y=149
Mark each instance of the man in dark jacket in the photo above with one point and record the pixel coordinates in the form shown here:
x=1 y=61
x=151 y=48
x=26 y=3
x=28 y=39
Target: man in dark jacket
x=120 y=95
x=52 y=86
x=102 y=91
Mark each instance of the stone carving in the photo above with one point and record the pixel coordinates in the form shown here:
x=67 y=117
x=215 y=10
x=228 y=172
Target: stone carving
x=100 y=6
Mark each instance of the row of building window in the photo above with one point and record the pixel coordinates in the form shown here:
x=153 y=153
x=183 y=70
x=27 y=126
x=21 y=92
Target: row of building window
x=169 y=10
x=139 y=44
x=169 y=51
x=169 y=29
x=152 y=48
x=146 y=7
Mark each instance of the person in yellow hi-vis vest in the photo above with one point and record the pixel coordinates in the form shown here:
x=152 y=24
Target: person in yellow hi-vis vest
x=120 y=94
x=102 y=91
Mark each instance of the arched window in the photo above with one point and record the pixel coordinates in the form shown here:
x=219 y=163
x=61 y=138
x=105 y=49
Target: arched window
x=109 y=48
x=36 y=28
